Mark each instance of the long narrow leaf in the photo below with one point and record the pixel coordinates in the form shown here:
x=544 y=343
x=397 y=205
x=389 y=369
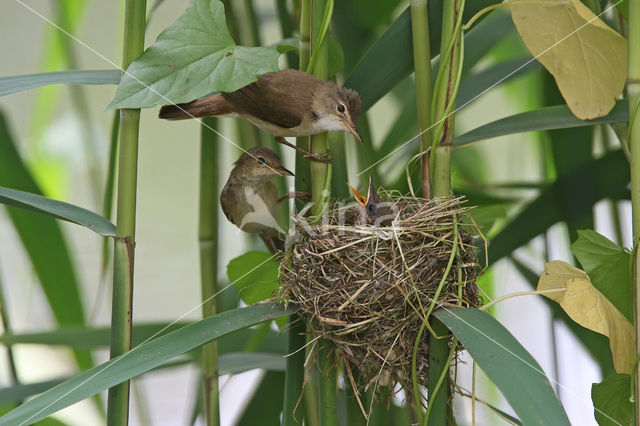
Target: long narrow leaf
x=390 y=59
x=554 y=117
x=58 y=209
x=509 y=366
x=20 y=83
x=611 y=176
x=141 y=359
x=43 y=241
x=266 y=404
x=98 y=338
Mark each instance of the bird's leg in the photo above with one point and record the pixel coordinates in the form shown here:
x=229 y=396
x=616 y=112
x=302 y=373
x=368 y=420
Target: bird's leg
x=322 y=158
x=297 y=195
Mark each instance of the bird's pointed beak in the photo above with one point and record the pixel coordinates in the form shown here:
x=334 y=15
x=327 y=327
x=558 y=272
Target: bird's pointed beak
x=284 y=171
x=361 y=199
x=352 y=130
x=372 y=190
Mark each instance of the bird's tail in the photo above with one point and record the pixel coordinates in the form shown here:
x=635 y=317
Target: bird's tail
x=208 y=106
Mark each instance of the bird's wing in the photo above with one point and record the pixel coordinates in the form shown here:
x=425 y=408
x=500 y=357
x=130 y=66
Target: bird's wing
x=275 y=99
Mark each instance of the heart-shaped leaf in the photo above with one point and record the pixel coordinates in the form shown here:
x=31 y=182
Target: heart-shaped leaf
x=192 y=58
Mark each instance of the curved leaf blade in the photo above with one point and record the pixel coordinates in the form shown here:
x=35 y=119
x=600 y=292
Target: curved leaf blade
x=44 y=242
x=509 y=366
x=390 y=58
x=58 y=209
x=20 y=83
x=548 y=118
x=611 y=400
x=610 y=174
x=192 y=58
x=99 y=338
x=142 y=359
x=239 y=362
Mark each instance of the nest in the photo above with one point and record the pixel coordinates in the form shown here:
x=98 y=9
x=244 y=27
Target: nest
x=368 y=288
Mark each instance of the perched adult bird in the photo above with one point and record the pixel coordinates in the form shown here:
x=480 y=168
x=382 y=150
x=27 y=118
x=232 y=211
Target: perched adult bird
x=283 y=103
x=373 y=209
x=249 y=198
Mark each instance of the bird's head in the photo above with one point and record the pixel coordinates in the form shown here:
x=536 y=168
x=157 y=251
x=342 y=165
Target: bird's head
x=373 y=209
x=337 y=108
x=259 y=163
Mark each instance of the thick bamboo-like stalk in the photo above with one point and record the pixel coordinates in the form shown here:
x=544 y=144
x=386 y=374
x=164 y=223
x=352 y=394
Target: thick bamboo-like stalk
x=294 y=408
x=208 y=238
x=633 y=93
x=124 y=243
x=320 y=193
x=439 y=412
x=424 y=91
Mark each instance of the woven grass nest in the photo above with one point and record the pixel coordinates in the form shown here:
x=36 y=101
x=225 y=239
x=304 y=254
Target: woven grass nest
x=367 y=288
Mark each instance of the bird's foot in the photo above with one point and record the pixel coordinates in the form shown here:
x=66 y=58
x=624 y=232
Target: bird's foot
x=324 y=157
x=297 y=195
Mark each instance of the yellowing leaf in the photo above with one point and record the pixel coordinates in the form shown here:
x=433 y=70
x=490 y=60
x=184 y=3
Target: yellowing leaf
x=587 y=58
x=589 y=308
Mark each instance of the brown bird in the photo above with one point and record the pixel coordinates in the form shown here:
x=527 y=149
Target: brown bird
x=283 y=103
x=373 y=209
x=249 y=198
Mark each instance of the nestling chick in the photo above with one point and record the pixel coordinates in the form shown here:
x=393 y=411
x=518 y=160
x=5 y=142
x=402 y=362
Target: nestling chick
x=373 y=209
x=249 y=198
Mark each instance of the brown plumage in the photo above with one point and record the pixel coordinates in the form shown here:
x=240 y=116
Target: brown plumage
x=249 y=198
x=284 y=103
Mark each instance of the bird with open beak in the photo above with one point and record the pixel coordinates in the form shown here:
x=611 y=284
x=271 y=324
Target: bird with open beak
x=373 y=209
x=283 y=103
x=249 y=198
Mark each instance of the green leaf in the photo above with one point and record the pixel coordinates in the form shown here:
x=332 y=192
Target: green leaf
x=239 y=362
x=609 y=268
x=611 y=400
x=611 y=176
x=262 y=279
x=509 y=366
x=390 y=58
x=142 y=359
x=570 y=149
x=266 y=403
x=43 y=241
x=17 y=393
x=336 y=56
x=19 y=83
x=554 y=117
x=58 y=209
x=192 y=58
x=477 y=84
x=97 y=338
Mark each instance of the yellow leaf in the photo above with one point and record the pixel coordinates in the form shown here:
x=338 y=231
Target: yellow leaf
x=589 y=308
x=587 y=58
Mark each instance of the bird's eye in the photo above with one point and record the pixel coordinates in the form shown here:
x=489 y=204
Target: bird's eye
x=340 y=108
x=260 y=160
x=372 y=208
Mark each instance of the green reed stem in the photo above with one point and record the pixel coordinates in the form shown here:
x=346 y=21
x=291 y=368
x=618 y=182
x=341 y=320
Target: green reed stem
x=633 y=93
x=424 y=90
x=124 y=243
x=208 y=239
x=294 y=405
